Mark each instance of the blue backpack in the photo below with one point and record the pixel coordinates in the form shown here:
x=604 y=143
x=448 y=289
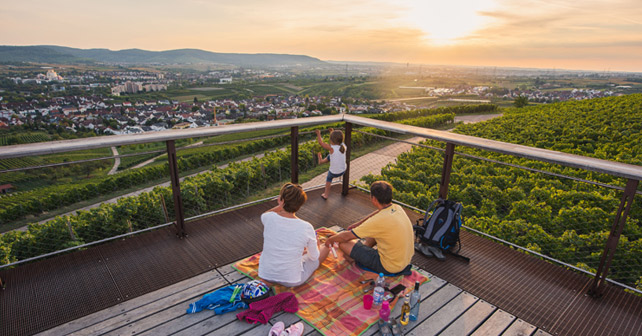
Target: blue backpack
x=438 y=232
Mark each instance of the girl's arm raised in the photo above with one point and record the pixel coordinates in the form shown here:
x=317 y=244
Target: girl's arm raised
x=320 y=141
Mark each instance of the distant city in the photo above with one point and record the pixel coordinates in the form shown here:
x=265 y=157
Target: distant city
x=126 y=101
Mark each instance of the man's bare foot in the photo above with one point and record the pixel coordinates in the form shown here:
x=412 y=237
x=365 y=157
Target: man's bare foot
x=324 y=197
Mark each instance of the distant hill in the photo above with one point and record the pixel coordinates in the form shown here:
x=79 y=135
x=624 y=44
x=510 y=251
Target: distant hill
x=57 y=54
x=36 y=54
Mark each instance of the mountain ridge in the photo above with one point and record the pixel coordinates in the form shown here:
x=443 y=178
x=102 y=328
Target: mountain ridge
x=61 y=54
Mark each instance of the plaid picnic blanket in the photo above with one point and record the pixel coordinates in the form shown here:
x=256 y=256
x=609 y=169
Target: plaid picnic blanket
x=331 y=300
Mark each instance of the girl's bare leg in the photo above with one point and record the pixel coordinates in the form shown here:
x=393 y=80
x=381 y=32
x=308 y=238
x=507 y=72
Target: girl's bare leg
x=327 y=190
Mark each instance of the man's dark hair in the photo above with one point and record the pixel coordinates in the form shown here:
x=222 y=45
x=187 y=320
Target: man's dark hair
x=381 y=191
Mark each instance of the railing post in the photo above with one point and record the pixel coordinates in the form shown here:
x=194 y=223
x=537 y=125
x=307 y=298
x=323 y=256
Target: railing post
x=445 y=172
x=294 y=161
x=597 y=287
x=347 y=140
x=176 y=188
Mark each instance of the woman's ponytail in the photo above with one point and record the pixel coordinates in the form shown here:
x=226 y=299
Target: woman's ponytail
x=342 y=149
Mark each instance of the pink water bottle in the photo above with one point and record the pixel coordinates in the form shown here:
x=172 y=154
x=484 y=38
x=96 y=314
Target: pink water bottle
x=384 y=312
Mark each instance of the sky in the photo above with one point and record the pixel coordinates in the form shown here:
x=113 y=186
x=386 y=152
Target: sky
x=596 y=35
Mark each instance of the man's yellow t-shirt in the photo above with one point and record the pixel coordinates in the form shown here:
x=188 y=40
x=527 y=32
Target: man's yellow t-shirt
x=392 y=230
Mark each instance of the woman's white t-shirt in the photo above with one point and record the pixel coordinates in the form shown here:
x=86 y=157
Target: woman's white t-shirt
x=337 y=159
x=283 y=242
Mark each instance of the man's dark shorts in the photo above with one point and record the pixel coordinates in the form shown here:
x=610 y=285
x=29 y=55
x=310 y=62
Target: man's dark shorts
x=368 y=257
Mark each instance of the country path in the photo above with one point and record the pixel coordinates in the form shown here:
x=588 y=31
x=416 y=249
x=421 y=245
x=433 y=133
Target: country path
x=113 y=170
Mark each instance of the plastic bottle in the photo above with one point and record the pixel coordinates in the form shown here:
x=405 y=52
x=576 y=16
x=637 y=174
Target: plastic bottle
x=405 y=311
x=379 y=290
x=415 y=301
x=384 y=312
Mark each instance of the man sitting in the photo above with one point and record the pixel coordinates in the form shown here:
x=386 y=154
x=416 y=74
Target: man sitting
x=388 y=227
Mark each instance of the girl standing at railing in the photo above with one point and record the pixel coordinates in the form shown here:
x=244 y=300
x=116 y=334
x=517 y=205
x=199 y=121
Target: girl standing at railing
x=337 y=158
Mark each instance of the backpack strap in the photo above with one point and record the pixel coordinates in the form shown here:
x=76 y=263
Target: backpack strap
x=420 y=228
x=456 y=254
x=466 y=259
x=430 y=207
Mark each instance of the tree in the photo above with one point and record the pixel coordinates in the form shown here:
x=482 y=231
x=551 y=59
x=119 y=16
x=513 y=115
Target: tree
x=521 y=101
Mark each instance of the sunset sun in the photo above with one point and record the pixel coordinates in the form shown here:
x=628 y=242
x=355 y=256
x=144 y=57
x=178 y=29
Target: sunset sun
x=443 y=23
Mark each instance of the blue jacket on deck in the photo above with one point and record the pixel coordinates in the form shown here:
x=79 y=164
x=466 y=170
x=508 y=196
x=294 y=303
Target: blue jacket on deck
x=219 y=301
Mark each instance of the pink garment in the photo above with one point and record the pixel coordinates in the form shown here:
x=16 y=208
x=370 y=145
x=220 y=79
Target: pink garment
x=262 y=311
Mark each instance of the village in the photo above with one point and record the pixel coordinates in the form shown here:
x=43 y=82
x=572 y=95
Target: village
x=116 y=102
x=104 y=117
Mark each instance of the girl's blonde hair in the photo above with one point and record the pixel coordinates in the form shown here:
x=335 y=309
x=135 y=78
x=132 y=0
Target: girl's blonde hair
x=336 y=138
x=293 y=197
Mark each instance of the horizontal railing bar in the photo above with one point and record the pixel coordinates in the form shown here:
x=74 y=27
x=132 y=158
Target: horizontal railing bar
x=144 y=230
x=546 y=172
x=80 y=161
x=247 y=204
x=399 y=140
x=550 y=156
x=241 y=140
x=53 y=147
x=85 y=245
x=143 y=153
x=506 y=163
x=516 y=246
x=628 y=171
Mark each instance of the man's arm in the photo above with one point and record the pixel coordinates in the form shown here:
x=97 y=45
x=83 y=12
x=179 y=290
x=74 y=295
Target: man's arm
x=342 y=237
x=352 y=226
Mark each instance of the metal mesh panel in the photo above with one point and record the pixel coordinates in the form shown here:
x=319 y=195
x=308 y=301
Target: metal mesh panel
x=565 y=219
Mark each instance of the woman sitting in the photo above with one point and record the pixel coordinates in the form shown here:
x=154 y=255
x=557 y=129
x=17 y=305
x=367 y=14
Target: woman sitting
x=290 y=251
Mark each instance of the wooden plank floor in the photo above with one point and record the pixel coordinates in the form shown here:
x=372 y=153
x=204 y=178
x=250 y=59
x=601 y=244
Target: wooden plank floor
x=445 y=310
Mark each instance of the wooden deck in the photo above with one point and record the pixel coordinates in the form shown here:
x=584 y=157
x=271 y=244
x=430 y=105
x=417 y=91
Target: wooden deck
x=144 y=284
x=445 y=310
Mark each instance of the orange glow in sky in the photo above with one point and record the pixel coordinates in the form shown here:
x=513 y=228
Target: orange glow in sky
x=603 y=35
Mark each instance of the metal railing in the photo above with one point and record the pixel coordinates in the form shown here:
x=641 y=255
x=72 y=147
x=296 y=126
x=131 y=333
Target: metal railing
x=632 y=173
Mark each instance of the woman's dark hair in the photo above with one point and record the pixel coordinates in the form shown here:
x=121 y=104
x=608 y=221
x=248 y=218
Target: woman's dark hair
x=381 y=191
x=293 y=197
x=336 y=138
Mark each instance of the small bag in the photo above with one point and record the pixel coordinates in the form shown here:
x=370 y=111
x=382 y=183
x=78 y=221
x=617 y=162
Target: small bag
x=255 y=290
